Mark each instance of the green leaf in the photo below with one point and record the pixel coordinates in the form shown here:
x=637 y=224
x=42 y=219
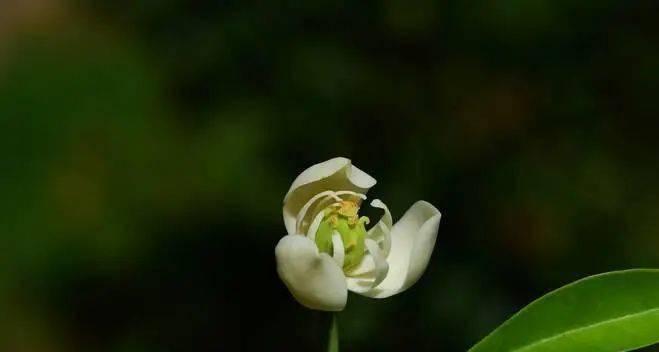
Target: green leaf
x=616 y=311
x=333 y=344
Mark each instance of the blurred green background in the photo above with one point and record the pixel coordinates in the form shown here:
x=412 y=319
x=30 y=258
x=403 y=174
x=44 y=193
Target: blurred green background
x=146 y=147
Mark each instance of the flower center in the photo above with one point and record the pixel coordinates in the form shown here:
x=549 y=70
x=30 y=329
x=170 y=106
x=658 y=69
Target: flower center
x=342 y=217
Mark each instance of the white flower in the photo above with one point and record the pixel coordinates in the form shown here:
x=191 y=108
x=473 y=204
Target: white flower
x=328 y=250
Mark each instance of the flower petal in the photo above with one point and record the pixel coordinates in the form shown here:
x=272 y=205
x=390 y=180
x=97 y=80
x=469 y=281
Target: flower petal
x=365 y=269
x=319 y=202
x=313 y=228
x=339 y=250
x=381 y=231
x=334 y=174
x=299 y=218
x=365 y=281
x=314 y=278
x=381 y=265
x=412 y=242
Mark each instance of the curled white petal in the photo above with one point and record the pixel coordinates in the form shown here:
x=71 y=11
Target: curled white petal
x=381 y=266
x=313 y=228
x=386 y=217
x=363 y=270
x=314 y=278
x=334 y=174
x=362 y=284
x=326 y=201
x=303 y=211
x=371 y=272
x=351 y=193
x=339 y=250
x=321 y=200
x=380 y=232
x=412 y=241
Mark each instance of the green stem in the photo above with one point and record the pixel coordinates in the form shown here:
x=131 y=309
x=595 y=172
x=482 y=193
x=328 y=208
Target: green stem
x=333 y=343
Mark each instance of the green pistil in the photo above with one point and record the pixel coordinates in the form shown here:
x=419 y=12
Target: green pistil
x=353 y=234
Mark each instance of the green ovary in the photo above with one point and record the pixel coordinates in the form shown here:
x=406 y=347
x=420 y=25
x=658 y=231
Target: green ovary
x=353 y=234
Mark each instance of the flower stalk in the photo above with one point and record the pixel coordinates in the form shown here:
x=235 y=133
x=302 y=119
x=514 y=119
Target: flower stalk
x=333 y=341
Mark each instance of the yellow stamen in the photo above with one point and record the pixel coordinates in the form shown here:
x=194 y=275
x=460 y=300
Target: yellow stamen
x=348 y=209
